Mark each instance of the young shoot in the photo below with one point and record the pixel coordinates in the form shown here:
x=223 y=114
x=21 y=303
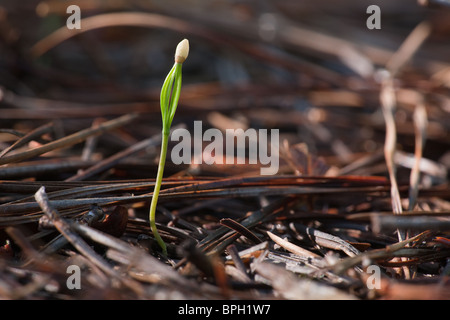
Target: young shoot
x=170 y=94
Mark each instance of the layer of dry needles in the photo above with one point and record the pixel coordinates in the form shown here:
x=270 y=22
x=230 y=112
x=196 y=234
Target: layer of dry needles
x=359 y=208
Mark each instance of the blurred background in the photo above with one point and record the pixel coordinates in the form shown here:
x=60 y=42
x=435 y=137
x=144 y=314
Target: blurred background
x=308 y=68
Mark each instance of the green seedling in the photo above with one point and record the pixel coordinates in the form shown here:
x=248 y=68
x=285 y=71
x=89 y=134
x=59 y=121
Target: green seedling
x=170 y=94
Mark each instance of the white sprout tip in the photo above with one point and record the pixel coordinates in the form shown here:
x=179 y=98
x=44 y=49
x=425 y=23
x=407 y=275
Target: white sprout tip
x=182 y=51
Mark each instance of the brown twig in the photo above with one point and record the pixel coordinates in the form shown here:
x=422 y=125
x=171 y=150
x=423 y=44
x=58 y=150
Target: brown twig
x=65 y=229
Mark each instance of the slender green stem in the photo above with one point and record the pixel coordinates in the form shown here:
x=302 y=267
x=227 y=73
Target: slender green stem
x=170 y=94
x=159 y=177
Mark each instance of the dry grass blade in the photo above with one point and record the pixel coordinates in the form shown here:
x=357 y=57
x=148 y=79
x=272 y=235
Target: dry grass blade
x=69 y=140
x=328 y=44
x=291 y=247
x=387 y=97
x=326 y=240
x=394 y=250
x=36 y=133
x=230 y=223
x=39 y=168
x=420 y=126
